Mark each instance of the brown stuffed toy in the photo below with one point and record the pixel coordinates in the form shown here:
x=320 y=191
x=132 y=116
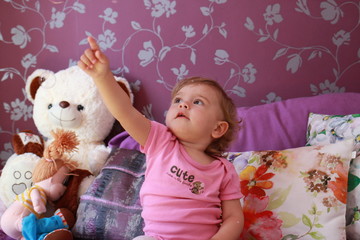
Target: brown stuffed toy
x=70 y=199
x=27 y=141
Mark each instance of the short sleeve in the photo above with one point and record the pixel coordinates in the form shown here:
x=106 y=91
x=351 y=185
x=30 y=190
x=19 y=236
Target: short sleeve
x=159 y=137
x=230 y=187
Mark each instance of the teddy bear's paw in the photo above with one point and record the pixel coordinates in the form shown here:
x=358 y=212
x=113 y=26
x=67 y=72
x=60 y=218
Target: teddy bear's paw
x=95 y=168
x=16 y=176
x=59 y=234
x=99 y=156
x=19 y=188
x=84 y=185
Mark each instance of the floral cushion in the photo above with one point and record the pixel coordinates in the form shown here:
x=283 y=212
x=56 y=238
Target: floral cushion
x=294 y=193
x=323 y=129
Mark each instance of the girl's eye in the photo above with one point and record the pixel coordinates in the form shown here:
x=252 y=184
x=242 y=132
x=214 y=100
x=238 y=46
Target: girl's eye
x=198 y=102
x=177 y=100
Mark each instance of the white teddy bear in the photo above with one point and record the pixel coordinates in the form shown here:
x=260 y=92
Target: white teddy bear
x=70 y=100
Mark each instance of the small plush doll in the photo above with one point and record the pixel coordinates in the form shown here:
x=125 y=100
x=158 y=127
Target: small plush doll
x=50 y=228
x=49 y=176
x=16 y=175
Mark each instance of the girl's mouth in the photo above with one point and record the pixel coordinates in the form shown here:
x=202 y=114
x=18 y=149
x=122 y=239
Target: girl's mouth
x=181 y=115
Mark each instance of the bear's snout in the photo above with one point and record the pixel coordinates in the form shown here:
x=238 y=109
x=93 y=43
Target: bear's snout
x=64 y=104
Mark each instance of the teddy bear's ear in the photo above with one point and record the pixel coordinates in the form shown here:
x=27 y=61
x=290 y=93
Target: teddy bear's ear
x=34 y=81
x=124 y=84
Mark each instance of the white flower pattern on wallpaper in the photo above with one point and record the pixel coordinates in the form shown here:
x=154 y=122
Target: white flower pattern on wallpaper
x=272 y=14
x=19 y=109
x=147 y=55
x=57 y=19
x=247 y=73
x=271 y=97
x=160 y=7
x=20 y=36
x=180 y=72
x=150 y=54
x=332 y=12
x=151 y=47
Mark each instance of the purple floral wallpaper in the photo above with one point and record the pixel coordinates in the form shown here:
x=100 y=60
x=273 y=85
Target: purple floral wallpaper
x=260 y=51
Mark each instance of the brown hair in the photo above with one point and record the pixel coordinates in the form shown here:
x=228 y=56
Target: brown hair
x=219 y=145
x=54 y=159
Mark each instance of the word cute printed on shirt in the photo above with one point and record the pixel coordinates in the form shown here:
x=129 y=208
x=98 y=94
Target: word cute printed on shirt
x=184 y=177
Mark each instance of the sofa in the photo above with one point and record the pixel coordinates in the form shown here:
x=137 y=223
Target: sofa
x=298 y=164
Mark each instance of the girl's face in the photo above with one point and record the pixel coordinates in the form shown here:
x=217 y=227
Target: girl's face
x=194 y=113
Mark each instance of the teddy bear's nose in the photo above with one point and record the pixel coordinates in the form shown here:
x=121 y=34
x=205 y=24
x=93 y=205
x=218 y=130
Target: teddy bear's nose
x=64 y=104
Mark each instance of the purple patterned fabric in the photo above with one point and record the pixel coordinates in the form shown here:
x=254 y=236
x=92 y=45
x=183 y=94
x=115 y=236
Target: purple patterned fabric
x=110 y=209
x=123 y=140
x=3 y=236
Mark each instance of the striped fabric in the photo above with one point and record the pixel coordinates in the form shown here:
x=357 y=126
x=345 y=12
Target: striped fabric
x=59 y=213
x=25 y=199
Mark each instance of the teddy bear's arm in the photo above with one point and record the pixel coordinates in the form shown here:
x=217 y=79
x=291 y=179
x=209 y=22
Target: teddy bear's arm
x=97 y=158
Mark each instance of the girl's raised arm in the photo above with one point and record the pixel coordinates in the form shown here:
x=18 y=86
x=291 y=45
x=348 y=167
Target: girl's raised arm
x=96 y=64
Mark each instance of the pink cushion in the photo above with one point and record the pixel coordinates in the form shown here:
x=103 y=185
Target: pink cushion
x=282 y=125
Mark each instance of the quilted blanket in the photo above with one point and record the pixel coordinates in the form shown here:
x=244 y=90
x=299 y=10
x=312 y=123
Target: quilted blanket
x=110 y=209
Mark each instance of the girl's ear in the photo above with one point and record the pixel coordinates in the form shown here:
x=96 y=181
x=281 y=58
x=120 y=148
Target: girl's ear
x=220 y=129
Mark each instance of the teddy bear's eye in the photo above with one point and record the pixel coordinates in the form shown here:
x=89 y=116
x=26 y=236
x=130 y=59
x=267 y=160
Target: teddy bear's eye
x=50 y=106
x=80 y=107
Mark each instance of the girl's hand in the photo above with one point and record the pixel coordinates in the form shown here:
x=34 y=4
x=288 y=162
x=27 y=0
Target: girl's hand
x=93 y=61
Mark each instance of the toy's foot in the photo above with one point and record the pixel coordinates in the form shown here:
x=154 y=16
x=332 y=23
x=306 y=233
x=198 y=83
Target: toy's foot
x=67 y=217
x=59 y=234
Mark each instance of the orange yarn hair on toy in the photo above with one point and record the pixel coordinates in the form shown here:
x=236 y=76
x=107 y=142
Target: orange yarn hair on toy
x=54 y=155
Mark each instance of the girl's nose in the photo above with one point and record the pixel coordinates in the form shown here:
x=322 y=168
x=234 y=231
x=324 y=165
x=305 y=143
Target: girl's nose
x=184 y=105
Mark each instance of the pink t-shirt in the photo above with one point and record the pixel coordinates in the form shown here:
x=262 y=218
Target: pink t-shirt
x=181 y=198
